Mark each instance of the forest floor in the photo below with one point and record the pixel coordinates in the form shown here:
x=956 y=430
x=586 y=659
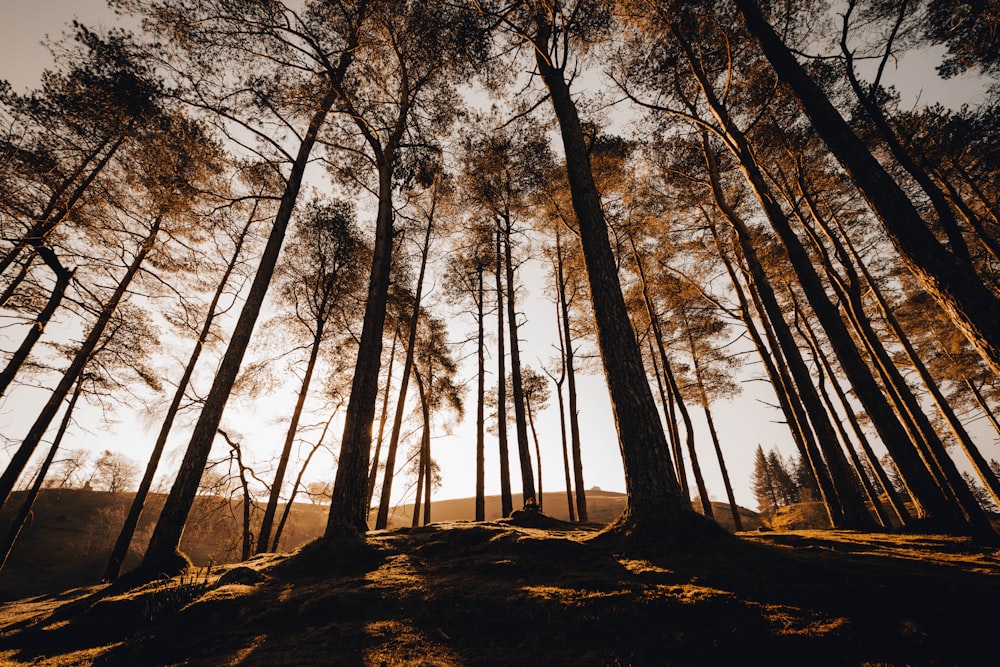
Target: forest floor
x=538 y=592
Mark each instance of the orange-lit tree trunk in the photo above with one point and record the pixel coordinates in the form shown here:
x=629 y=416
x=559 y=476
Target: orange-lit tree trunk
x=127 y=532
x=654 y=498
x=973 y=307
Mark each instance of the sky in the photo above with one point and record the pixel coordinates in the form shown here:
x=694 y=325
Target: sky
x=743 y=423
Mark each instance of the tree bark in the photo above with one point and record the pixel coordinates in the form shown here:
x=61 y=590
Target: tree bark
x=34 y=436
x=969 y=303
x=654 y=498
x=382 y=519
x=506 y=496
x=162 y=555
x=574 y=421
x=127 y=532
x=520 y=421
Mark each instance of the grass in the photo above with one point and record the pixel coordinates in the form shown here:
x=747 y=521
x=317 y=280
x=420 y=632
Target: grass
x=500 y=593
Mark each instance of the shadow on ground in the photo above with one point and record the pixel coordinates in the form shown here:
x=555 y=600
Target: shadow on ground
x=504 y=594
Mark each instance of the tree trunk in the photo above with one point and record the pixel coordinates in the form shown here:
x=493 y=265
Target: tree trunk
x=63 y=279
x=127 y=532
x=669 y=413
x=673 y=388
x=34 y=436
x=983 y=405
x=574 y=421
x=382 y=519
x=538 y=449
x=480 y=400
x=506 y=497
x=162 y=556
x=18 y=521
x=350 y=489
x=970 y=304
x=298 y=483
x=236 y=452
x=654 y=498
x=383 y=417
x=266 y=523
x=733 y=508
x=520 y=421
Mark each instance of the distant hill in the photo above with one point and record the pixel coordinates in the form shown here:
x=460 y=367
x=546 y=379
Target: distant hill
x=85 y=523
x=603 y=507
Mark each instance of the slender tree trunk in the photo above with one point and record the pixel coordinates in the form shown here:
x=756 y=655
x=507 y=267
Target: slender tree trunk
x=520 y=421
x=127 y=532
x=574 y=421
x=801 y=415
x=673 y=431
x=780 y=382
x=417 y=504
x=733 y=507
x=971 y=305
x=236 y=452
x=17 y=523
x=18 y=280
x=562 y=433
x=480 y=399
x=162 y=555
x=654 y=498
x=383 y=417
x=674 y=392
x=298 y=483
x=678 y=400
x=506 y=496
x=382 y=519
x=823 y=364
x=72 y=374
x=538 y=449
x=63 y=279
x=983 y=405
x=266 y=523
x=425 y=400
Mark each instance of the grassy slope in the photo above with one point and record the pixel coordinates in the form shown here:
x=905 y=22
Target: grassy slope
x=85 y=524
x=503 y=594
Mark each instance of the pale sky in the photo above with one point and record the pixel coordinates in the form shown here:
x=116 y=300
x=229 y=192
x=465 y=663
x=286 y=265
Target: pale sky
x=742 y=423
